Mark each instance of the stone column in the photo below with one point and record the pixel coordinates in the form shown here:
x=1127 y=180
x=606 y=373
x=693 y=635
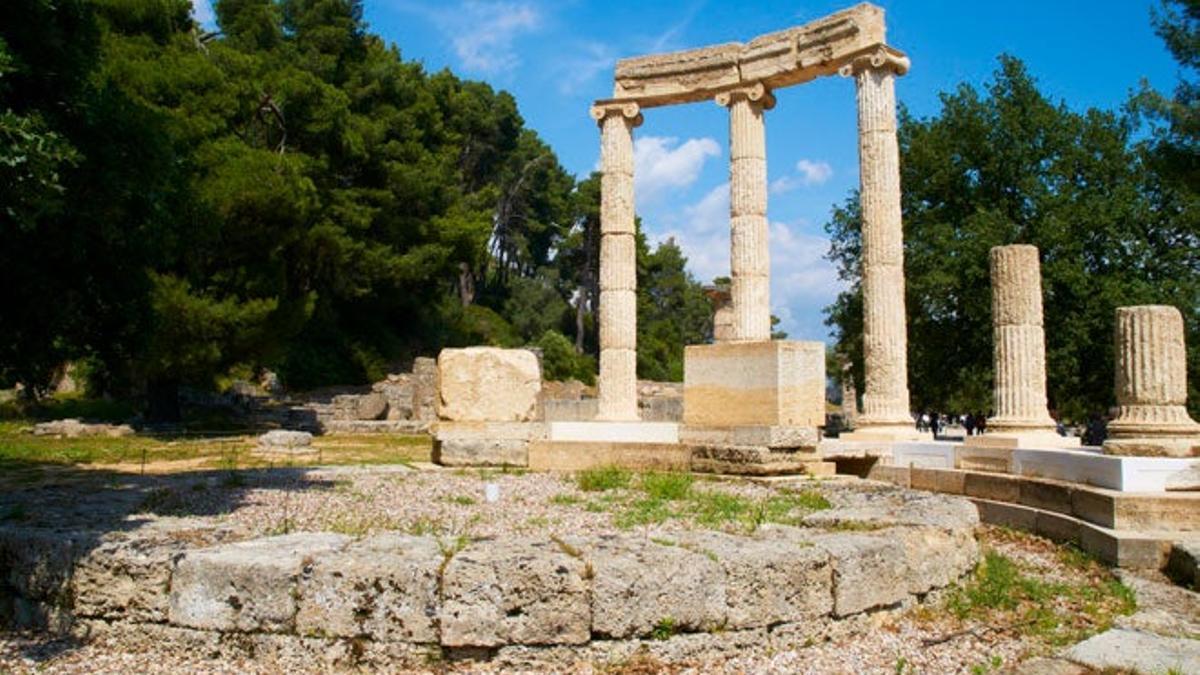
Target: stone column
x=749 y=262
x=1151 y=385
x=617 y=384
x=1019 y=390
x=885 y=400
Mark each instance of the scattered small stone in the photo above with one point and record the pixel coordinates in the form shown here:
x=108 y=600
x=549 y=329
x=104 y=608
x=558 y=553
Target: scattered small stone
x=75 y=428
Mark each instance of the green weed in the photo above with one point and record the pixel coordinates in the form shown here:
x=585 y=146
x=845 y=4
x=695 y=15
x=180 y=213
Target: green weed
x=603 y=479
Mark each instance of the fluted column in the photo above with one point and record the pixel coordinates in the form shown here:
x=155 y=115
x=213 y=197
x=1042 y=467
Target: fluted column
x=1020 y=349
x=749 y=262
x=1151 y=385
x=617 y=384
x=885 y=399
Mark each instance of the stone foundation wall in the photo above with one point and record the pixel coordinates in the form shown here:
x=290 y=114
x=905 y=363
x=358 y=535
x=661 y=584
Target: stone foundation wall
x=404 y=599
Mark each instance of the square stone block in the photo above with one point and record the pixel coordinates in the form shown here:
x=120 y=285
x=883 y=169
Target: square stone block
x=771 y=383
x=488 y=384
x=983 y=458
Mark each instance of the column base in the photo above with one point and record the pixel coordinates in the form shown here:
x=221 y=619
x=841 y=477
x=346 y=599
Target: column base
x=886 y=430
x=1043 y=438
x=1154 y=446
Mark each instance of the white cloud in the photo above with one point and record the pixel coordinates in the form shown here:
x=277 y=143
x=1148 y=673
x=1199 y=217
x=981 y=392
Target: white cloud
x=662 y=163
x=202 y=12
x=803 y=282
x=814 y=173
x=482 y=32
x=576 y=72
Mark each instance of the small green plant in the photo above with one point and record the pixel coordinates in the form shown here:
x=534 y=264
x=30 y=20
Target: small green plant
x=667 y=486
x=461 y=500
x=603 y=479
x=664 y=629
x=424 y=526
x=902 y=666
x=642 y=512
x=565 y=499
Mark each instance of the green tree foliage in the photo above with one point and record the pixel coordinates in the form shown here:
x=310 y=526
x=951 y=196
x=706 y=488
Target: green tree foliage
x=672 y=311
x=286 y=192
x=1005 y=166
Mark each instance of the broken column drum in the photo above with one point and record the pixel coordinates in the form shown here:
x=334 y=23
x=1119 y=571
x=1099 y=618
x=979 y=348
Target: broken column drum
x=1020 y=351
x=1151 y=385
x=617 y=385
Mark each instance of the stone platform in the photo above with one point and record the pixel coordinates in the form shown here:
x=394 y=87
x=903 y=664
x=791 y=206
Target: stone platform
x=398 y=600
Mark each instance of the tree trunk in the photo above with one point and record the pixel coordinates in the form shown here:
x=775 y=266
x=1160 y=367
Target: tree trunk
x=162 y=398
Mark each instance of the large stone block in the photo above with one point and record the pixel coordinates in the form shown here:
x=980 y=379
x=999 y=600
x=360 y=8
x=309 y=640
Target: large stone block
x=384 y=587
x=869 y=570
x=768 y=581
x=514 y=592
x=484 y=384
x=639 y=584
x=772 y=383
x=484 y=443
x=247 y=586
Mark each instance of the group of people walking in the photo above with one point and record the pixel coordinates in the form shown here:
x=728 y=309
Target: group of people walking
x=973 y=424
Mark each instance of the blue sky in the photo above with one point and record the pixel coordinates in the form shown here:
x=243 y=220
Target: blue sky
x=556 y=57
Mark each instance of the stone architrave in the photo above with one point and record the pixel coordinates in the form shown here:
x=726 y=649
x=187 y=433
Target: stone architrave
x=1021 y=418
x=1151 y=386
x=749 y=260
x=617 y=384
x=488 y=384
x=886 y=414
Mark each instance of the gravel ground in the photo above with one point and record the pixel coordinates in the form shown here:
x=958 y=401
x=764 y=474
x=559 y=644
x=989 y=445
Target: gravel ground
x=927 y=639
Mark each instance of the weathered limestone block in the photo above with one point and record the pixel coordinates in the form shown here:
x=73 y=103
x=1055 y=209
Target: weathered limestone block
x=520 y=591
x=935 y=558
x=768 y=581
x=869 y=570
x=639 y=583
x=74 y=428
x=488 y=384
x=750 y=460
x=384 y=587
x=774 y=383
x=248 y=586
x=371 y=406
x=951 y=514
x=425 y=388
x=1151 y=385
x=485 y=443
x=125 y=578
x=286 y=442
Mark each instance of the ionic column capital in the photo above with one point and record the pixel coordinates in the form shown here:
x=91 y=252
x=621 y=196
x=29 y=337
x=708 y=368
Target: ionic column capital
x=755 y=93
x=630 y=110
x=882 y=58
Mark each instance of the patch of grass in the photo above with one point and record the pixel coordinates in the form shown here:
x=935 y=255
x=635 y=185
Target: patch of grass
x=565 y=499
x=712 y=508
x=1055 y=612
x=603 y=479
x=424 y=526
x=664 y=629
x=642 y=512
x=666 y=486
x=357 y=525
x=461 y=500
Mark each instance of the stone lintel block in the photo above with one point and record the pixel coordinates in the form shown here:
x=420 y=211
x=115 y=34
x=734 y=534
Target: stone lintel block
x=749 y=460
x=385 y=586
x=581 y=455
x=249 y=587
x=519 y=591
x=768 y=383
x=1172 y=512
x=774 y=437
x=896 y=475
x=1022 y=439
x=488 y=384
x=1048 y=496
x=481 y=451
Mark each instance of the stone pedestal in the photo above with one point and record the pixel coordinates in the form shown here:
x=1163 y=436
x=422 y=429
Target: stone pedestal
x=767 y=384
x=749 y=262
x=1019 y=394
x=1151 y=386
x=617 y=384
x=885 y=413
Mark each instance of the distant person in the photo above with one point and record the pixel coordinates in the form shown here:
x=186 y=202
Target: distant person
x=980 y=425
x=935 y=424
x=969 y=424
